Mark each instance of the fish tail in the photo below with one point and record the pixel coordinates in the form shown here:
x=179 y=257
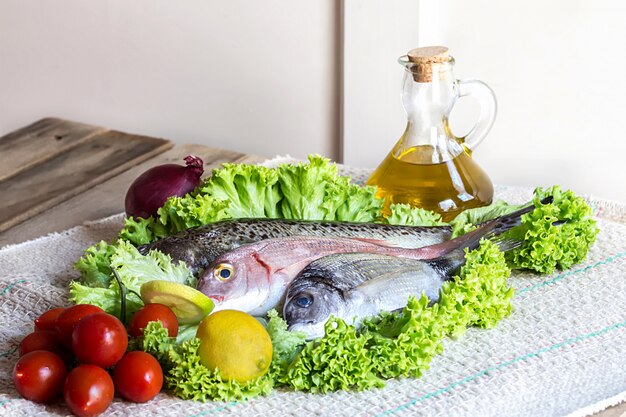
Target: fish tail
x=496 y=227
x=450 y=260
x=507 y=244
x=507 y=222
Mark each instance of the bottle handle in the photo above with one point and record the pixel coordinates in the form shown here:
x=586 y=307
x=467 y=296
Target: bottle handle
x=488 y=108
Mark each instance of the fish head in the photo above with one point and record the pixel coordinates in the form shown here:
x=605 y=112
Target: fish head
x=237 y=280
x=307 y=308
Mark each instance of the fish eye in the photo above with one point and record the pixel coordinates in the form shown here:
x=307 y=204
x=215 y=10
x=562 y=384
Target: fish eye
x=223 y=272
x=304 y=301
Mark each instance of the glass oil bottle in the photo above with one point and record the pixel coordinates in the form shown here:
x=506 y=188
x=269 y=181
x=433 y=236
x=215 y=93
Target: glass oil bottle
x=429 y=167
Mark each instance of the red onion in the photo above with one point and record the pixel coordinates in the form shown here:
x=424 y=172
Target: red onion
x=150 y=190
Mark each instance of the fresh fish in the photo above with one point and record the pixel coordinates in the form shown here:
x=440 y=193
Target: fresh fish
x=254 y=277
x=199 y=246
x=353 y=286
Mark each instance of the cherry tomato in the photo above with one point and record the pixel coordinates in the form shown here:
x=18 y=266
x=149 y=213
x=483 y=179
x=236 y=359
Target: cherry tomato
x=68 y=319
x=138 y=377
x=47 y=320
x=153 y=312
x=38 y=376
x=88 y=390
x=99 y=339
x=43 y=340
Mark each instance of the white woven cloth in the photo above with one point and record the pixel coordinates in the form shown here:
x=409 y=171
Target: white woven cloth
x=561 y=352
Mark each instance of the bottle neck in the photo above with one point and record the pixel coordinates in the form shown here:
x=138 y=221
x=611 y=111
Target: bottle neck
x=428 y=105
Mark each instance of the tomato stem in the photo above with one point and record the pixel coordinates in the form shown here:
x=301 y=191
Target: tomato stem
x=134 y=292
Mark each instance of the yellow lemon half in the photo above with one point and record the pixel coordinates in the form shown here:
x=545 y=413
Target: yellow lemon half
x=235 y=343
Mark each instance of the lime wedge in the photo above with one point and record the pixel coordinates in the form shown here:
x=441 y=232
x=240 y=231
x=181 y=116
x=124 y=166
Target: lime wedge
x=188 y=304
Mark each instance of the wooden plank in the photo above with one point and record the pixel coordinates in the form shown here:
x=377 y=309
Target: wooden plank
x=618 y=410
x=107 y=198
x=65 y=175
x=42 y=140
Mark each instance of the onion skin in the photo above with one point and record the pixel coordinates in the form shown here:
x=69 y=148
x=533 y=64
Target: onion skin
x=151 y=189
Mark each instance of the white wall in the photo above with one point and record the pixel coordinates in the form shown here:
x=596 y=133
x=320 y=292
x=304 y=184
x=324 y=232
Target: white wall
x=556 y=68
x=264 y=77
x=253 y=76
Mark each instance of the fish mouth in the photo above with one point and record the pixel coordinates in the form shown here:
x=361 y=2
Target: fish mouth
x=310 y=328
x=219 y=299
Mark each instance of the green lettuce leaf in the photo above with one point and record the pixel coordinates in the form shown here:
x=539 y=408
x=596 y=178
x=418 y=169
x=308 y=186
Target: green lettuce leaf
x=555 y=236
x=182 y=213
x=468 y=219
x=480 y=295
x=134 y=269
x=186 y=376
x=285 y=344
x=404 y=343
x=95 y=265
x=404 y=214
x=250 y=190
x=339 y=360
x=138 y=231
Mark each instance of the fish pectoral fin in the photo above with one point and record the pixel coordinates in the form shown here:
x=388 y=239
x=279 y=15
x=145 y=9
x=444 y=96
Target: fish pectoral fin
x=291 y=270
x=373 y=287
x=353 y=298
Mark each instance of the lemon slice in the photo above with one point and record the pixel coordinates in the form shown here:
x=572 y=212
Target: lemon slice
x=188 y=304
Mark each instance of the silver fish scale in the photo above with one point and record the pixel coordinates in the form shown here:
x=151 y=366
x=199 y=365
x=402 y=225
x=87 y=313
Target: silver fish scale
x=199 y=246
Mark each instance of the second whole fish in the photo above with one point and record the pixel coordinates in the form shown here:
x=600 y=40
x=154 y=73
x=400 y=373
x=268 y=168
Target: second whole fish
x=198 y=247
x=254 y=277
x=353 y=286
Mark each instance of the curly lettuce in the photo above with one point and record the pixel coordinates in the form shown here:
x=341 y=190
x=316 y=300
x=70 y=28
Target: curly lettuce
x=95 y=265
x=133 y=269
x=555 y=236
x=404 y=214
x=185 y=375
x=468 y=219
x=311 y=191
x=404 y=343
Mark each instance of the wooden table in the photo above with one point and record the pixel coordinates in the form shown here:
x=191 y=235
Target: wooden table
x=56 y=174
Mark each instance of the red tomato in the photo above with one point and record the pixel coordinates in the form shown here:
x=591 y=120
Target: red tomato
x=88 y=390
x=38 y=376
x=47 y=320
x=138 y=377
x=68 y=319
x=99 y=339
x=153 y=312
x=43 y=340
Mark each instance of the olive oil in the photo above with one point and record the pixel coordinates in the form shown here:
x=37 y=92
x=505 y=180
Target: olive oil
x=446 y=187
x=429 y=166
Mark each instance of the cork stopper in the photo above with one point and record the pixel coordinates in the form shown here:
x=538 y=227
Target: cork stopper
x=425 y=58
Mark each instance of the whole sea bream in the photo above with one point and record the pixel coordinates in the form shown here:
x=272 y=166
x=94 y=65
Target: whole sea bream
x=254 y=277
x=353 y=286
x=200 y=246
